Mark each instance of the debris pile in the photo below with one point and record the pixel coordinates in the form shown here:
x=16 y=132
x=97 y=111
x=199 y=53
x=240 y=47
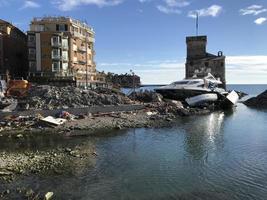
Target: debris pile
x=259 y=101
x=50 y=97
x=146 y=96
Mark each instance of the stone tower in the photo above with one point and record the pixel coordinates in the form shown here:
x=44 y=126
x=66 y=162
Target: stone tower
x=199 y=62
x=196 y=47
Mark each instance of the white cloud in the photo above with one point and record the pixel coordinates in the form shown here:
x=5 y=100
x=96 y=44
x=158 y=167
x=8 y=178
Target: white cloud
x=246 y=69
x=253 y=10
x=171 y=6
x=66 y=5
x=177 y=3
x=239 y=70
x=212 y=11
x=168 y=10
x=260 y=20
x=30 y=4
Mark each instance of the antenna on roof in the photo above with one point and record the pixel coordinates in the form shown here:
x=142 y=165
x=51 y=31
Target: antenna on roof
x=196 y=23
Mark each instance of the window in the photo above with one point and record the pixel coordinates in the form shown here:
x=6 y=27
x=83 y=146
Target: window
x=37 y=28
x=56 y=66
x=62 y=27
x=181 y=82
x=31 y=38
x=65 y=43
x=55 y=40
x=55 y=53
x=65 y=66
x=65 y=55
x=32 y=51
x=32 y=65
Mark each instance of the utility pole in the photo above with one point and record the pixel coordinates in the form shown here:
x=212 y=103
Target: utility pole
x=133 y=83
x=197 y=23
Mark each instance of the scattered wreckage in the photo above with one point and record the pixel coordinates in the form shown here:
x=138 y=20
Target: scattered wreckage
x=198 y=92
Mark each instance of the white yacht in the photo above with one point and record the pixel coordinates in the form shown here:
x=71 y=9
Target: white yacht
x=187 y=88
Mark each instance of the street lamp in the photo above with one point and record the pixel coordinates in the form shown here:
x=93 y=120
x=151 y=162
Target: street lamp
x=133 y=74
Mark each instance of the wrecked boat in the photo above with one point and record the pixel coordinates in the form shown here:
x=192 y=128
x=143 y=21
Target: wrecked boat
x=188 y=88
x=201 y=99
x=230 y=99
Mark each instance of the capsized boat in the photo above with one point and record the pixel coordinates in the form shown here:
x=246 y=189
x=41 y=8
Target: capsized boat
x=187 y=88
x=201 y=99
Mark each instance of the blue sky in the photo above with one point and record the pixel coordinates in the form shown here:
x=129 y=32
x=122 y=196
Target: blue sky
x=148 y=36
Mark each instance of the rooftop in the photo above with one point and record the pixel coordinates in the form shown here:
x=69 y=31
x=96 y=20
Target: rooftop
x=196 y=38
x=55 y=19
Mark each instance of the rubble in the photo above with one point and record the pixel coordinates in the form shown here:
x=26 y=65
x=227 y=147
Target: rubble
x=51 y=97
x=146 y=96
x=259 y=101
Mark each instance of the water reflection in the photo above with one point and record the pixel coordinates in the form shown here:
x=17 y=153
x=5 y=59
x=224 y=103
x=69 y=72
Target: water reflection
x=205 y=134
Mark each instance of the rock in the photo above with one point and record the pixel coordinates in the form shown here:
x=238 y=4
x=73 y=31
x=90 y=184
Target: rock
x=29 y=193
x=259 y=101
x=118 y=127
x=19 y=136
x=177 y=104
x=168 y=119
x=146 y=96
x=49 y=195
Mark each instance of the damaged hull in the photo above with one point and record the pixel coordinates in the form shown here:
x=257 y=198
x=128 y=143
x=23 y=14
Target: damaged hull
x=181 y=94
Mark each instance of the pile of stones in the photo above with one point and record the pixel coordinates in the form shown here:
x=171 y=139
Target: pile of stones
x=51 y=97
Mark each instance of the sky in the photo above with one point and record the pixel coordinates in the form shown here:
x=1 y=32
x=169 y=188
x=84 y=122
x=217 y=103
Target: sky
x=148 y=36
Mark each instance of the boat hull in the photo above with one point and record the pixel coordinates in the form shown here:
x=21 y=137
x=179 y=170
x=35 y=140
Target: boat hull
x=180 y=94
x=201 y=99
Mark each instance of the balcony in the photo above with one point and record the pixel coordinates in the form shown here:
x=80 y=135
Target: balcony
x=78 y=35
x=32 y=57
x=82 y=49
x=74 y=47
x=75 y=59
x=65 y=59
x=56 y=57
x=90 y=39
x=56 y=44
x=65 y=47
x=31 y=43
x=82 y=62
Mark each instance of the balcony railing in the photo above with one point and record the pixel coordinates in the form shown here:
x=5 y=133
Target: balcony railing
x=56 y=57
x=31 y=43
x=65 y=58
x=56 y=44
x=82 y=62
x=65 y=47
x=32 y=56
x=90 y=39
x=82 y=49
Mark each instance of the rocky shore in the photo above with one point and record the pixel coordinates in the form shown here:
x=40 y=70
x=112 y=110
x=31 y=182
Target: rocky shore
x=54 y=161
x=156 y=112
x=259 y=101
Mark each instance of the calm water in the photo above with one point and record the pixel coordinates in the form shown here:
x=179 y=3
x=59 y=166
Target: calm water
x=218 y=156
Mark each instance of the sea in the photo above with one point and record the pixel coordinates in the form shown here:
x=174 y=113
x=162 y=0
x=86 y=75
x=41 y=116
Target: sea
x=218 y=156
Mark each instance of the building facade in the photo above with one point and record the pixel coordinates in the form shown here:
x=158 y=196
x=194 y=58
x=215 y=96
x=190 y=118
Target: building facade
x=61 y=49
x=13 y=51
x=199 y=62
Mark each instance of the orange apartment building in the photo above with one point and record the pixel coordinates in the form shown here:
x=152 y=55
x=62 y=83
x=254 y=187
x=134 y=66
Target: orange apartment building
x=62 y=49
